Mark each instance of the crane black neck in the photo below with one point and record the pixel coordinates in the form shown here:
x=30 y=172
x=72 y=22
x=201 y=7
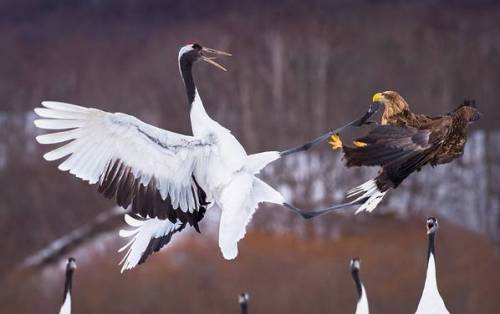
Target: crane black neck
x=431 y=248
x=186 y=67
x=244 y=307
x=69 y=281
x=357 y=282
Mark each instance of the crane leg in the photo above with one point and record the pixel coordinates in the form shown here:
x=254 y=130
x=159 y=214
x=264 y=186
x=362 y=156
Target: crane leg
x=318 y=212
x=356 y=123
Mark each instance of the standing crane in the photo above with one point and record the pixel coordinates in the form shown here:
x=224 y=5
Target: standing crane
x=362 y=305
x=70 y=269
x=431 y=301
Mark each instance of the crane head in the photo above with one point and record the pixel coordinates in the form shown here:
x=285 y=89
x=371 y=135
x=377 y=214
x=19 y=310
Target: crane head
x=432 y=225
x=194 y=52
x=355 y=263
x=70 y=264
x=243 y=298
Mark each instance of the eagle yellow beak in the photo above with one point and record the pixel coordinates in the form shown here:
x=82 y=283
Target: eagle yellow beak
x=378 y=97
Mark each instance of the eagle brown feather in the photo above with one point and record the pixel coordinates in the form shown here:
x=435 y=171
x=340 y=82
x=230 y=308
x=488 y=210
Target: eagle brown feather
x=405 y=142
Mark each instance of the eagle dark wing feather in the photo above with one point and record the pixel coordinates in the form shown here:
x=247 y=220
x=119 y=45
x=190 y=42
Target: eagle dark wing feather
x=399 y=151
x=385 y=145
x=394 y=173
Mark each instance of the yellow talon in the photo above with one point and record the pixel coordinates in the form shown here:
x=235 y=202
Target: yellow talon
x=335 y=142
x=359 y=144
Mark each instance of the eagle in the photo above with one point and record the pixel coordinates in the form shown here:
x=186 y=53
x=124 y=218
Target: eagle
x=402 y=143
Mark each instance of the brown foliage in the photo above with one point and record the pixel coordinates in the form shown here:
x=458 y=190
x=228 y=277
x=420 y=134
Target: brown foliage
x=284 y=274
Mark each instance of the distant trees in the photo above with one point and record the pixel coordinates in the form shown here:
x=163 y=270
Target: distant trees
x=292 y=76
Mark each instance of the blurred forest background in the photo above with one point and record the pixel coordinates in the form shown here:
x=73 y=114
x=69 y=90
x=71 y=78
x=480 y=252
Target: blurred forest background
x=298 y=69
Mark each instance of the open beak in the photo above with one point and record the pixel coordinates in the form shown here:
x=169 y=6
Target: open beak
x=210 y=59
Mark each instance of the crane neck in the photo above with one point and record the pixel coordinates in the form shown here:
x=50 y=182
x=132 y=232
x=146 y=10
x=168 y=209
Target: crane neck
x=357 y=282
x=431 y=248
x=68 y=282
x=199 y=116
x=186 y=69
x=244 y=308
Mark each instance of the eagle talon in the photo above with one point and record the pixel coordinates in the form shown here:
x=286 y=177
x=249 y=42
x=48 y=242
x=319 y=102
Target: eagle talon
x=359 y=144
x=335 y=142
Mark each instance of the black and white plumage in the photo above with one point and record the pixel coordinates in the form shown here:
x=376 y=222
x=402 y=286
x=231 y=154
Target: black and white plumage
x=362 y=305
x=70 y=269
x=431 y=301
x=167 y=180
x=243 y=301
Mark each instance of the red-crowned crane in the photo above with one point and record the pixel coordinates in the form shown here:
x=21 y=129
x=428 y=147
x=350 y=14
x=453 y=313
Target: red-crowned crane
x=362 y=305
x=70 y=269
x=431 y=301
x=167 y=180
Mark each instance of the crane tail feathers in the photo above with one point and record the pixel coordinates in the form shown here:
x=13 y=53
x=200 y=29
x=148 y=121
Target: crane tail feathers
x=148 y=235
x=256 y=162
x=239 y=202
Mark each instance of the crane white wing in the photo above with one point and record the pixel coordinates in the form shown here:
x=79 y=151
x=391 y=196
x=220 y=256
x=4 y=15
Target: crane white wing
x=137 y=163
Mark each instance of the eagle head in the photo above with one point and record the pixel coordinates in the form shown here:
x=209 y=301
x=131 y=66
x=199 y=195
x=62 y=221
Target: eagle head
x=393 y=104
x=467 y=111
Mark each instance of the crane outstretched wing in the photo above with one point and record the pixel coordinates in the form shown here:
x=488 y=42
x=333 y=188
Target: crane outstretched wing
x=138 y=164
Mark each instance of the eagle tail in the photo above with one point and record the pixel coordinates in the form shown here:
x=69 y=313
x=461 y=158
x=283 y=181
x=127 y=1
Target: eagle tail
x=369 y=193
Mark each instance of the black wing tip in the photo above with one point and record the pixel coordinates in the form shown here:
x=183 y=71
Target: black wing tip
x=156 y=244
x=119 y=182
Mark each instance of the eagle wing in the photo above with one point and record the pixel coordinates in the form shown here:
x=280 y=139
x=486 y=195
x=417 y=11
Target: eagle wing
x=399 y=151
x=386 y=144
